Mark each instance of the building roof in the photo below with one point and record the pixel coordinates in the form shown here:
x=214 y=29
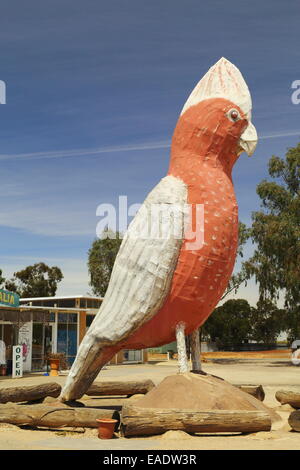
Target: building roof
x=31 y=299
x=31 y=308
x=10 y=309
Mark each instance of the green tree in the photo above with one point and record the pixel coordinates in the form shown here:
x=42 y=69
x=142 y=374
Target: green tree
x=292 y=324
x=276 y=231
x=101 y=258
x=38 y=280
x=267 y=322
x=276 y=234
x=230 y=324
x=2 y=279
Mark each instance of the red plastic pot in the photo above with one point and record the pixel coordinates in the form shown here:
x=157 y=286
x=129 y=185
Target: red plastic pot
x=54 y=366
x=106 y=427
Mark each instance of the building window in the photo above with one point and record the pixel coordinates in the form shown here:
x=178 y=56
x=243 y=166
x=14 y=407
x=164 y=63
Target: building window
x=132 y=355
x=89 y=320
x=38 y=339
x=66 y=303
x=67 y=335
x=52 y=317
x=63 y=318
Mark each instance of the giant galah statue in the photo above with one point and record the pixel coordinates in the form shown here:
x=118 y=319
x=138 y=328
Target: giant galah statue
x=165 y=287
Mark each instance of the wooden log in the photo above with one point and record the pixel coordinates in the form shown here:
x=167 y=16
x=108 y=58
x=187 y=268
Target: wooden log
x=120 y=388
x=54 y=416
x=30 y=393
x=287 y=396
x=256 y=391
x=294 y=420
x=138 y=421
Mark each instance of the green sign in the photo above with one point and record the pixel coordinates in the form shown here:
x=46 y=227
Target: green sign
x=9 y=299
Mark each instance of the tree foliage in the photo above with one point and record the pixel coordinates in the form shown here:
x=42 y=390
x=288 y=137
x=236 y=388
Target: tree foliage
x=292 y=324
x=267 y=322
x=236 y=322
x=230 y=324
x=2 y=279
x=101 y=258
x=276 y=232
x=38 y=280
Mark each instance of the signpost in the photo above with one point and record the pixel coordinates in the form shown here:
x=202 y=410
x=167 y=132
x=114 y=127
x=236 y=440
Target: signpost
x=17 y=363
x=9 y=299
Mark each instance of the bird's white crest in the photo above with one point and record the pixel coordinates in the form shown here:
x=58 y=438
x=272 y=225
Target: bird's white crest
x=223 y=80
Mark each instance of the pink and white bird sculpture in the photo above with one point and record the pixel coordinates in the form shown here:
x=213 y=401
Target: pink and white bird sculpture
x=161 y=288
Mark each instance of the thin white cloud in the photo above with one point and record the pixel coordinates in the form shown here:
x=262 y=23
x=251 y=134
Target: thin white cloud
x=116 y=149
x=84 y=152
x=279 y=134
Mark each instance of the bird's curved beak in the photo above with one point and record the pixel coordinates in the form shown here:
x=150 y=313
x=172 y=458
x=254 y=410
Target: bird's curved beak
x=248 y=140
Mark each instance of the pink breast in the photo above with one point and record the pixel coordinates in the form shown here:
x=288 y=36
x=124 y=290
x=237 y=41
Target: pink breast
x=201 y=274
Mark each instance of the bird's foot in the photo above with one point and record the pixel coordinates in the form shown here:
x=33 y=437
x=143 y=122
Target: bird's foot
x=74 y=403
x=216 y=377
x=201 y=372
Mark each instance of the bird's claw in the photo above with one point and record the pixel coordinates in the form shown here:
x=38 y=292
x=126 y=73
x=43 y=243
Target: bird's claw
x=201 y=372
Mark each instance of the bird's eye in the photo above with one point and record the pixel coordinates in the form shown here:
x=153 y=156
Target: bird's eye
x=233 y=115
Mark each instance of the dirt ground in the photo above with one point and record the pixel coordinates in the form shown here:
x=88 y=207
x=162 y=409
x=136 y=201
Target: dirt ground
x=274 y=353
x=270 y=354
x=272 y=371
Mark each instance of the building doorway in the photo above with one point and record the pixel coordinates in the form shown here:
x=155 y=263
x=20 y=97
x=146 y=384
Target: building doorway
x=42 y=344
x=67 y=336
x=9 y=335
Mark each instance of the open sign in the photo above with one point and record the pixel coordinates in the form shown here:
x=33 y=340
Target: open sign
x=17 y=369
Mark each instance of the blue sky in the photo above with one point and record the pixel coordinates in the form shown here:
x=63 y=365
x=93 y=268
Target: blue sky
x=94 y=90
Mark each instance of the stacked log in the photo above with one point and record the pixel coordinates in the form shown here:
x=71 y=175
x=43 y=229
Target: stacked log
x=288 y=397
x=256 y=391
x=54 y=416
x=120 y=388
x=30 y=393
x=52 y=389
x=294 y=420
x=138 y=421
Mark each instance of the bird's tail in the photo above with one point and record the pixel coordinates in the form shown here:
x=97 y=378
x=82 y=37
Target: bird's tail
x=91 y=358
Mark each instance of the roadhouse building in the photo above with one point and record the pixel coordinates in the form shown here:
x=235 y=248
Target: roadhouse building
x=45 y=325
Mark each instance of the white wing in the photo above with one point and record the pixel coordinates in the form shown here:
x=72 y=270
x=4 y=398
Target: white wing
x=140 y=280
x=145 y=264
